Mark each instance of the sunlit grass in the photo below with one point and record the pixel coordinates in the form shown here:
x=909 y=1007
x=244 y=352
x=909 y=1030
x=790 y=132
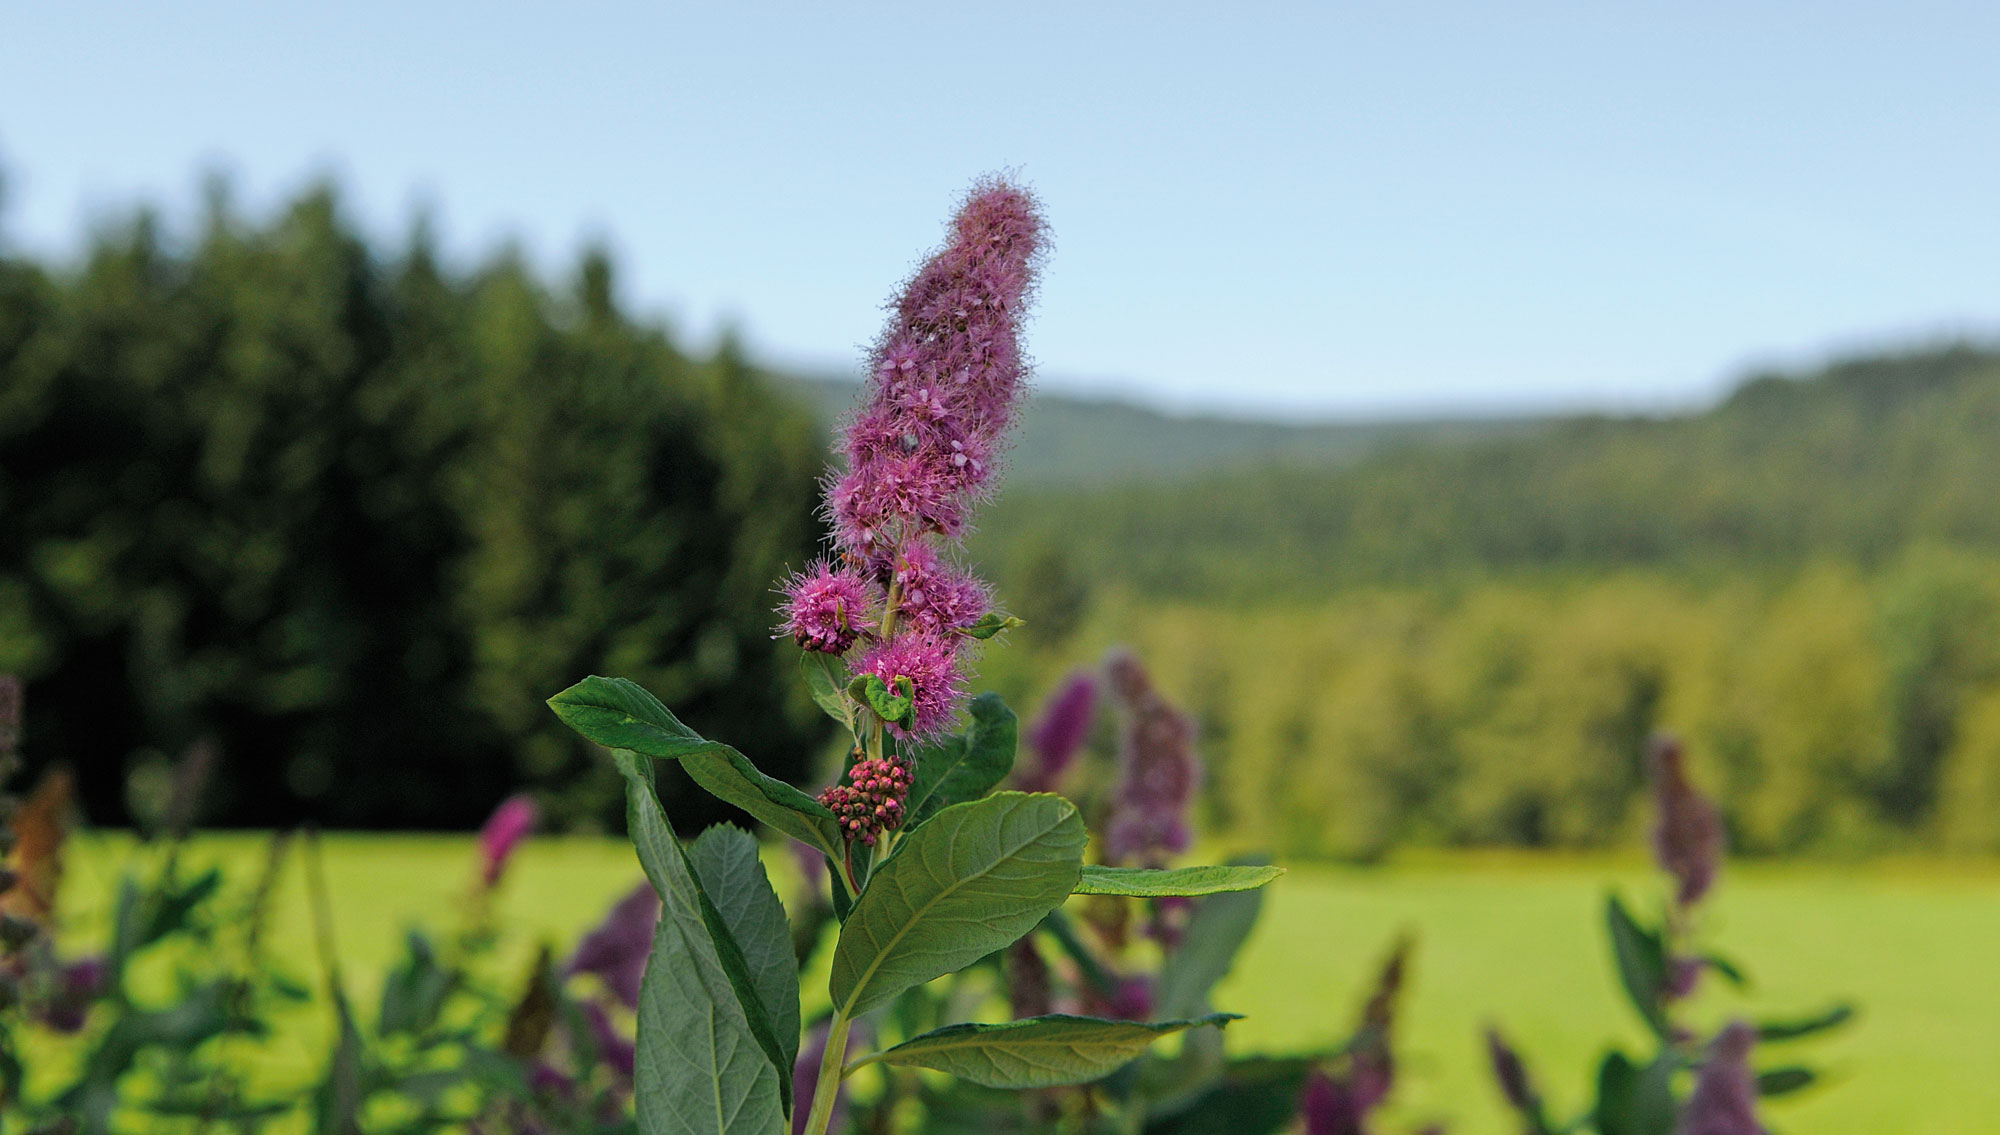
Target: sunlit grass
x=1509 y=938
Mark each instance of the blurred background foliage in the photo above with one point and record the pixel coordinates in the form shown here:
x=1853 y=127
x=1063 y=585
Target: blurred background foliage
x=352 y=513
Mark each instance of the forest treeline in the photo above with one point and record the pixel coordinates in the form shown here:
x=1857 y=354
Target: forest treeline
x=348 y=513
x=1467 y=645
x=1857 y=461
x=347 y=516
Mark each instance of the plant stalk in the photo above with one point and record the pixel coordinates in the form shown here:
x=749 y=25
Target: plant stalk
x=827 y=1089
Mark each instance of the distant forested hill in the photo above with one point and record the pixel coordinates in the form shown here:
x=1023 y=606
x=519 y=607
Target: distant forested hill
x=1070 y=441
x=1856 y=461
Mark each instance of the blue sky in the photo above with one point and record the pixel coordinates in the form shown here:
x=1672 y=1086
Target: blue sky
x=1333 y=209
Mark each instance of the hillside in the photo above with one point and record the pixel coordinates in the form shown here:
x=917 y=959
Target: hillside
x=1856 y=462
x=1071 y=441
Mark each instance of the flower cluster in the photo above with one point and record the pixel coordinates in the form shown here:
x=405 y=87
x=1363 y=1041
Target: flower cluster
x=826 y=608
x=1158 y=770
x=872 y=801
x=943 y=387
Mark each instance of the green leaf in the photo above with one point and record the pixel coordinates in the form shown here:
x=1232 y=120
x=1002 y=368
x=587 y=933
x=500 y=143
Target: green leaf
x=973 y=880
x=824 y=681
x=1642 y=963
x=1730 y=971
x=732 y=876
x=1039 y=1052
x=1057 y=926
x=618 y=714
x=990 y=624
x=890 y=707
x=1784 y=1081
x=702 y=1068
x=1216 y=930
x=967 y=766
x=1141 y=883
x=1257 y=1096
x=1792 y=1030
x=1633 y=1100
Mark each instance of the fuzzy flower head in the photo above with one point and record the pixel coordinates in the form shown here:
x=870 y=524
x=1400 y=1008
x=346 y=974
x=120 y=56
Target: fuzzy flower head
x=934 y=596
x=1725 y=1093
x=929 y=664
x=1158 y=770
x=1687 y=832
x=509 y=824
x=827 y=608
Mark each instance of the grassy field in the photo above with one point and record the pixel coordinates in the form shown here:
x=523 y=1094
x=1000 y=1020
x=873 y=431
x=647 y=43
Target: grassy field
x=1513 y=939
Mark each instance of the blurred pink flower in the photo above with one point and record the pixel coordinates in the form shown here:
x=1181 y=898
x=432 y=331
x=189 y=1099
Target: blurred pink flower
x=1725 y=1092
x=1059 y=733
x=616 y=950
x=509 y=824
x=1158 y=770
x=1687 y=833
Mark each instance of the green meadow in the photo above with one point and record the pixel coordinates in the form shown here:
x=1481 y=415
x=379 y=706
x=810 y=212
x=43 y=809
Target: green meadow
x=1512 y=938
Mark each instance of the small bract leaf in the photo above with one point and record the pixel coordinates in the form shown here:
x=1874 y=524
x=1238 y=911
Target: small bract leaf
x=1136 y=882
x=891 y=705
x=990 y=624
x=1783 y=1081
x=1039 y=1052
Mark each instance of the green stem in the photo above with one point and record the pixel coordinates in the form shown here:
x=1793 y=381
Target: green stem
x=828 y=1087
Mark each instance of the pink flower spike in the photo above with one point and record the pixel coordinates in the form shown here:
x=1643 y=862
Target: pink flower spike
x=1158 y=770
x=1060 y=731
x=509 y=824
x=1687 y=834
x=616 y=950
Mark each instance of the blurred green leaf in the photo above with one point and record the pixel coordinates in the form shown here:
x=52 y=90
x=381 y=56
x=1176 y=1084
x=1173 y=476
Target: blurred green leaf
x=1776 y=1031
x=1642 y=963
x=1136 y=882
x=1217 y=929
x=1039 y=1052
